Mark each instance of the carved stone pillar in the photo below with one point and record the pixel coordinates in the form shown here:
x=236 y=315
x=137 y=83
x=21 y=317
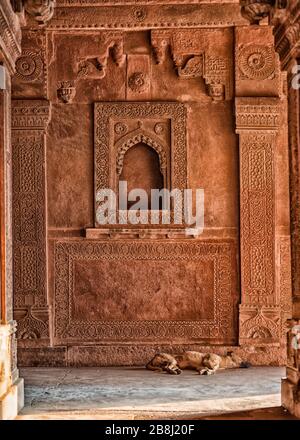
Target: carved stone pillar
x=264 y=236
x=11 y=386
x=29 y=121
x=257 y=125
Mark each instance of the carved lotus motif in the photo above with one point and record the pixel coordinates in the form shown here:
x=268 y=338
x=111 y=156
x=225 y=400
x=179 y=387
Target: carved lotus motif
x=257 y=61
x=138 y=82
x=139 y=13
x=29 y=66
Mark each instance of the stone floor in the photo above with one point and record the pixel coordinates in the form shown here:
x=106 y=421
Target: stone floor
x=135 y=393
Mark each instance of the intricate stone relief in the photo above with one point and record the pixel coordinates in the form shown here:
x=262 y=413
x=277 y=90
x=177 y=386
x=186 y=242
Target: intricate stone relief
x=193 y=60
x=30 y=327
x=259 y=116
x=68 y=327
x=285 y=282
x=110 y=121
x=257 y=214
x=257 y=123
x=259 y=325
x=29 y=66
x=256 y=10
x=10 y=34
x=95 y=66
x=140 y=138
x=30 y=115
x=66 y=91
x=193 y=68
x=41 y=10
x=137 y=15
x=256 y=61
x=29 y=119
x=138 y=82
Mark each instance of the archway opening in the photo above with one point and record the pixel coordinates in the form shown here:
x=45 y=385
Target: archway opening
x=141 y=169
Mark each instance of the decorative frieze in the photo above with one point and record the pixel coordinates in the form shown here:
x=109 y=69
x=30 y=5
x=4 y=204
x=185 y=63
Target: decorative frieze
x=83 y=15
x=30 y=114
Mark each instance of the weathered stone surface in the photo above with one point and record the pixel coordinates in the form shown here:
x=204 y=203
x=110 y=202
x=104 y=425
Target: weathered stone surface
x=187 y=95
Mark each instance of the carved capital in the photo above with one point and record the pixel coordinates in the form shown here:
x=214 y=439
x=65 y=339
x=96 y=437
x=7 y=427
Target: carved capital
x=30 y=114
x=256 y=10
x=257 y=114
x=41 y=10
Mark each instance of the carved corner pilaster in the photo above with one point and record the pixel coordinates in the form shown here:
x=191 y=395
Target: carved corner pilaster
x=257 y=123
x=29 y=122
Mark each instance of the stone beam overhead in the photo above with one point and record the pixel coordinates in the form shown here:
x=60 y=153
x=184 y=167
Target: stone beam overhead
x=80 y=14
x=10 y=35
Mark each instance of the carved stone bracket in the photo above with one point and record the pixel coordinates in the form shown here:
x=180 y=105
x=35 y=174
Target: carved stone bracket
x=94 y=66
x=193 y=60
x=41 y=11
x=257 y=122
x=29 y=121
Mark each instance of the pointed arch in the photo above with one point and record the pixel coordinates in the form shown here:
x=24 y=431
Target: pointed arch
x=132 y=139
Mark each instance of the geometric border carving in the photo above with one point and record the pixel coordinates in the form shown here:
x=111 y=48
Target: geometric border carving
x=221 y=329
x=29 y=119
x=110 y=115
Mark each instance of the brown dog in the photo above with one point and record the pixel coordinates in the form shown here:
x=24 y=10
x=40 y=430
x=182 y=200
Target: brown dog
x=204 y=363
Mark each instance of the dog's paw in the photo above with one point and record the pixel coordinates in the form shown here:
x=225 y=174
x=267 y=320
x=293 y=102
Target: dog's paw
x=178 y=371
x=203 y=372
x=170 y=371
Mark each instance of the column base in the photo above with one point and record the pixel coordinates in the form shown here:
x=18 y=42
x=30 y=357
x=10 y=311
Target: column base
x=290 y=394
x=13 y=401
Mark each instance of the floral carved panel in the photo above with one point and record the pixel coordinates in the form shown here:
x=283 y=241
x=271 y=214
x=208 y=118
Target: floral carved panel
x=206 y=304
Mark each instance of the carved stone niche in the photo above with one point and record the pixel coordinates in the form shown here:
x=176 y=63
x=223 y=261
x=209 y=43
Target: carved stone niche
x=121 y=128
x=198 y=53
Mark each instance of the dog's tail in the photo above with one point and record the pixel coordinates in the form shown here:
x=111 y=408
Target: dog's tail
x=245 y=365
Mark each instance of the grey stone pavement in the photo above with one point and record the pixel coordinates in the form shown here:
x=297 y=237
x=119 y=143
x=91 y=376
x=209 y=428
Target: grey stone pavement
x=130 y=393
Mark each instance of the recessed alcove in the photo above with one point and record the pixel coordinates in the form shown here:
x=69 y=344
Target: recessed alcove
x=141 y=170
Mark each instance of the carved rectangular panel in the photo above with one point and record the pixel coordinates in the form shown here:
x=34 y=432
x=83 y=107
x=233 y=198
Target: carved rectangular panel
x=119 y=126
x=257 y=216
x=29 y=217
x=104 y=291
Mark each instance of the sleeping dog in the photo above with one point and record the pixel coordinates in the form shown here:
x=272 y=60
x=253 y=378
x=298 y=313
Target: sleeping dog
x=204 y=363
